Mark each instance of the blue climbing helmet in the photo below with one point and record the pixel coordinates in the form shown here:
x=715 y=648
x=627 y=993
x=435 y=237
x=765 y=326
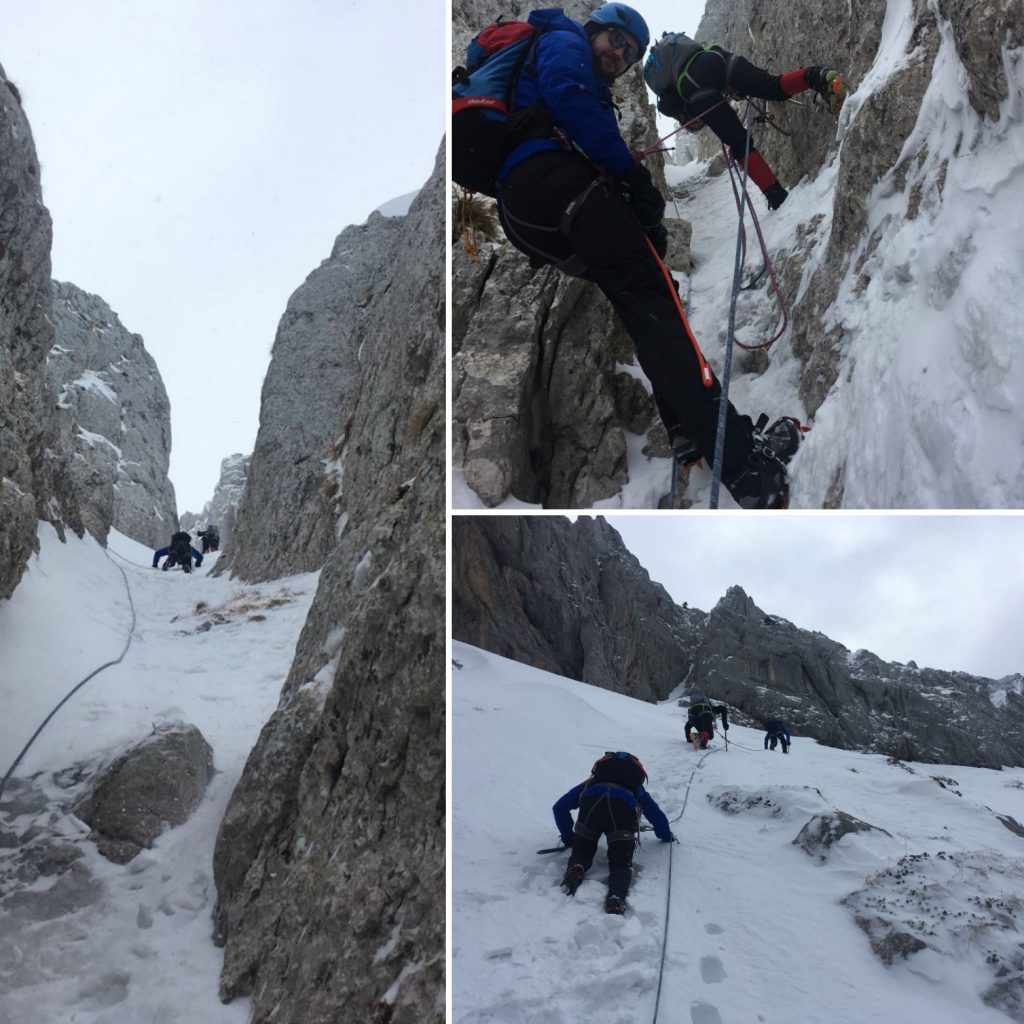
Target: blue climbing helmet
x=616 y=15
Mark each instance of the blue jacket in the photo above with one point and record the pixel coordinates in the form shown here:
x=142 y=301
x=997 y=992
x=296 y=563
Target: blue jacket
x=164 y=552
x=561 y=75
x=776 y=729
x=652 y=812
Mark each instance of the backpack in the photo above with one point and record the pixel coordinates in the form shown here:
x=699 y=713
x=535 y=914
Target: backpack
x=483 y=97
x=181 y=538
x=620 y=768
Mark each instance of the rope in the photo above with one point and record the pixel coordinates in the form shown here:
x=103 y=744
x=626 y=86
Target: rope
x=716 y=472
x=46 y=721
x=731 y=164
x=668 y=894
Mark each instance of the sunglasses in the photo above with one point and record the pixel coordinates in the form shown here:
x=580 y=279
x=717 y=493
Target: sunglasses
x=620 y=41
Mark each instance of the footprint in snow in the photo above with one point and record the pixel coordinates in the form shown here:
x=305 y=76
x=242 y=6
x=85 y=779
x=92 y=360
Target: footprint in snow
x=704 y=1013
x=711 y=970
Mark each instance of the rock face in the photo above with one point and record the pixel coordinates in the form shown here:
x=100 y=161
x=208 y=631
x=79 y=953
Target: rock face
x=33 y=482
x=114 y=418
x=541 y=397
x=570 y=599
x=222 y=509
x=157 y=783
x=330 y=861
x=286 y=519
x=768 y=668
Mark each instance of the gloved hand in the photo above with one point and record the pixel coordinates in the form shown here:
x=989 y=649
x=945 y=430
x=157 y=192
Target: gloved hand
x=646 y=201
x=659 y=239
x=776 y=195
x=567 y=840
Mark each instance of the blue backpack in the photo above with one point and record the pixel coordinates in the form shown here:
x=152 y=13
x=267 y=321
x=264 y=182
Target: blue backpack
x=483 y=97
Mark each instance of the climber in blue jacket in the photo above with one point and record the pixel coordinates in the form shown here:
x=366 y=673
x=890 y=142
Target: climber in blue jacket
x=610 y=803
x=776 y=732
x=571 y=195
x=178 y=552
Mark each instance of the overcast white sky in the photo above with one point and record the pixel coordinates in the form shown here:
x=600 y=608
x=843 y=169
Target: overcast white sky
x=944 y=591
x=199 y=159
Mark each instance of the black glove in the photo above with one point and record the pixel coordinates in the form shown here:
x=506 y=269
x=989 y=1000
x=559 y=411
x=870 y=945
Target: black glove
x=659 y=239
x=645 y=200
x=567 y=840
x=776 y=195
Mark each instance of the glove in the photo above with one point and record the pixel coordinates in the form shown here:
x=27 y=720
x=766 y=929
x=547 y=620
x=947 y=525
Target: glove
x=645 y=200
x=659 y=239
x=567 y=840
x=776 y=195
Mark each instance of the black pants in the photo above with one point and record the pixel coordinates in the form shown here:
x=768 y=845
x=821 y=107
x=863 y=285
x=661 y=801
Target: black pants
x=609 y=247
x=778 y=739
x=605 y=815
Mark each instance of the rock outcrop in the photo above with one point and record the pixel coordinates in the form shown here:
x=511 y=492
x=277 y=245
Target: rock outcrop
x=34 y=483
x=115 y=420
x=222 y=509
x=156 y=783
x=286 y=520
x=330 y=861
x=570 y=599
x=544 y=382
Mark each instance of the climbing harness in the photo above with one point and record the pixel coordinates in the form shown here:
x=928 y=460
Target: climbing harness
x=46 y=721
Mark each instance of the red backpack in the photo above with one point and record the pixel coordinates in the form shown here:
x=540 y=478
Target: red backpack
x=620 y=768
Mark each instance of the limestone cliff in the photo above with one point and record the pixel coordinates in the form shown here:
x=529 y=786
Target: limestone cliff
x=330 y=862
x=222 y=509
x=115 y=419
x=33 y=481
x=570 y=599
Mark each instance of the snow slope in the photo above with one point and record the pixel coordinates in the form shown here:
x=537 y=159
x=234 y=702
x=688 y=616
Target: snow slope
x=751 y=927
x=105 y=943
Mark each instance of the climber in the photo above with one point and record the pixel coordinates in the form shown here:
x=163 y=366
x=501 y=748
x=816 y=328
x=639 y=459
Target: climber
x=571 y=195
x=776 y=732
x=211 y=538
x=178 y=552
x=692 y=83
x=700 y=720
x=610 y=803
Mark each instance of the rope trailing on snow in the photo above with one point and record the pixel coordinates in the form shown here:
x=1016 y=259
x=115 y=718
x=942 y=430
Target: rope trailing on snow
x=668 y=894
x=46 y=721
x=723 y=402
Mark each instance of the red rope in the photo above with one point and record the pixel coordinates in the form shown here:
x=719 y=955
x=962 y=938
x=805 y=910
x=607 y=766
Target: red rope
x=730 y=163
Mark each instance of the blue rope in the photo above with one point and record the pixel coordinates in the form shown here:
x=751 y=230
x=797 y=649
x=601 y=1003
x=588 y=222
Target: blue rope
x=716 y=472
x=77 y=686
x=668 y=894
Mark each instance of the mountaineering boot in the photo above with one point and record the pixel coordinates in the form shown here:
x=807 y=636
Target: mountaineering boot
x=776 y=195
x=827 y=83
x=761 y=481
x=571 y=879
x=614 y=905
x=783 y=436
